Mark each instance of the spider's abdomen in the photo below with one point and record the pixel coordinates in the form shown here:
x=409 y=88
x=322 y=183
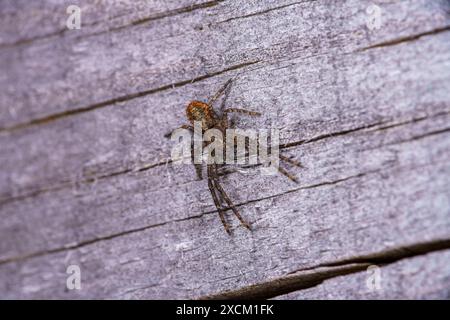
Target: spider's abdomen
x=200 y=111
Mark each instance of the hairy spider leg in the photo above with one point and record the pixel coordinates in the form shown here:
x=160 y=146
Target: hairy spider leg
x=281 y=157
x=241 y=111
x=212 y=189
x=287 y=174
x=197 y=166
x=225 y=197
x=184 y=126
x=219 y=93
x=291 y=161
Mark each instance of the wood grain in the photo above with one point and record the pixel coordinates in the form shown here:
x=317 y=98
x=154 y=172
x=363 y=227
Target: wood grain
x=85 y=176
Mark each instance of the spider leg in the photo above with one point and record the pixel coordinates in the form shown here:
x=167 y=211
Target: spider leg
x=241 y=111
x=224 y=100
x=291 y=161
x=225 y=197
x=197 y=166
x=287 y=174
x=220 y=92
x=225 y=171
x=282 y=158
x=184 y=126
x=198 y=171
x=219 y=208
x=187 y=126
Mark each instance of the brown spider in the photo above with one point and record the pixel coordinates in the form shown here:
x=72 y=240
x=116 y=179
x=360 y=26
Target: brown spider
x=204 y=113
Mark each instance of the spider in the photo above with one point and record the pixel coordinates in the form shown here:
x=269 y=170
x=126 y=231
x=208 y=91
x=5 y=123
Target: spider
x=209 y=118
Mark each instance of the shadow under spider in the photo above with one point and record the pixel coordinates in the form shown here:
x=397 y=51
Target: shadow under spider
x=205 y=113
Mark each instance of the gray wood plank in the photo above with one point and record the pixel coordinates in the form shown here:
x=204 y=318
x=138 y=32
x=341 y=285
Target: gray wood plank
x=85 y=178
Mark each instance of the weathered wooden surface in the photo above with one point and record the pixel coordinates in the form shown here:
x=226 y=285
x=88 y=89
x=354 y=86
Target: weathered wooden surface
x=424 y=277
x=85 y=179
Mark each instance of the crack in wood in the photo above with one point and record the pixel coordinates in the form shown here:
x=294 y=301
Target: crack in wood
x=389 y=255
x=72 y=112
x=406 y=39
x=77 y=245
x=331 y=135
x=264 y=11
x=377 y=126
x=419 y=137
x=167 y=14
x=158 y=16
x=413 y=120
x=69 y=183
x=310 y=277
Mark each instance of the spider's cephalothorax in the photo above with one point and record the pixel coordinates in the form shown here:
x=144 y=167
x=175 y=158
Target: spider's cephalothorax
x=203 y=112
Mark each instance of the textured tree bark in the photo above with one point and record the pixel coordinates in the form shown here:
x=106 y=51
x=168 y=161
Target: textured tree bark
x=362 y=102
